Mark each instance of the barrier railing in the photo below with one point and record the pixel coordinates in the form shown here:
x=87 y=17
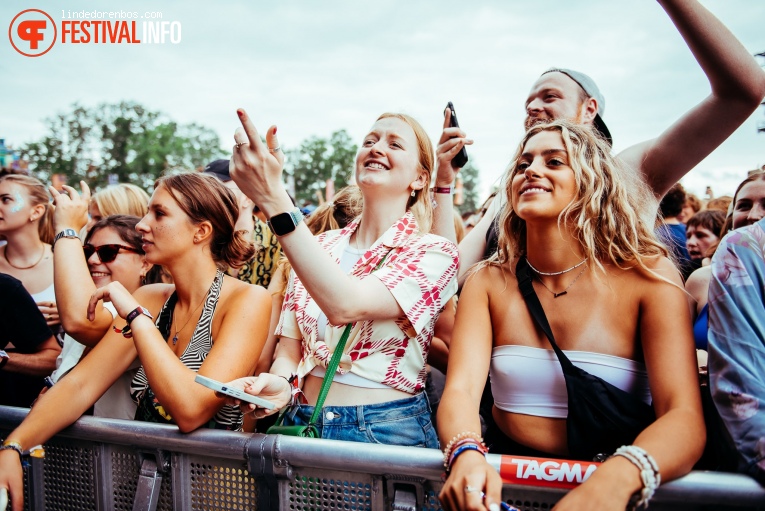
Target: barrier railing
x=100 y=464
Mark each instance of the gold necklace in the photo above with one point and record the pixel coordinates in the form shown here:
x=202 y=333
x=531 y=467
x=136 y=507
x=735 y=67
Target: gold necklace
x=565 y=291
x=5 y=253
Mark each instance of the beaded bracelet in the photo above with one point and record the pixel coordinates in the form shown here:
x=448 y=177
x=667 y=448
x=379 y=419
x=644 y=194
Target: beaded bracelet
x=461 y=449
x=462 y=436
x=649 y=471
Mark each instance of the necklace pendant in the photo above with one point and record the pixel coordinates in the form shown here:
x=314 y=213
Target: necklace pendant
x=175 y=337
x=556 y=295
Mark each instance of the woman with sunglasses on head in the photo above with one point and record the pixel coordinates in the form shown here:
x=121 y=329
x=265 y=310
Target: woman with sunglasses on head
x=382 y=276
x=571 y=241
x=206 y=322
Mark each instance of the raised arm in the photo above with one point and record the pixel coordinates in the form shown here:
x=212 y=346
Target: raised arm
x=258 y=172
x=451 y=142
x=738 y=87
x=71 y=276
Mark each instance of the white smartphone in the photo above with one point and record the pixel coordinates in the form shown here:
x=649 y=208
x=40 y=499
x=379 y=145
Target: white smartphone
x=234 y=392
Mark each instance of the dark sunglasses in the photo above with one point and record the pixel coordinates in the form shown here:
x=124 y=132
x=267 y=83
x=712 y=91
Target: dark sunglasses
x=106 y=253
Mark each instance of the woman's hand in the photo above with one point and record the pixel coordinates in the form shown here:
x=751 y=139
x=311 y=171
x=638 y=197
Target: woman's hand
x=451 y=142
x=71 y=209
x=116 y=293
x=470 y=478
x=49 y=310
x=609 y=488
x=257 y=167
x=12 y=478
x=267 y=386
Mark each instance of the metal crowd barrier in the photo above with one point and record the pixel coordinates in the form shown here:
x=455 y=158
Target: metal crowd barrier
x=100 y=464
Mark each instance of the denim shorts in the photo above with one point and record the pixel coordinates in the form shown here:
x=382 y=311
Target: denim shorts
x=402 y=422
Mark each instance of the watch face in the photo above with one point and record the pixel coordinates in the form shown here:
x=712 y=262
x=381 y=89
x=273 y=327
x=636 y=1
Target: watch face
x=282 y=224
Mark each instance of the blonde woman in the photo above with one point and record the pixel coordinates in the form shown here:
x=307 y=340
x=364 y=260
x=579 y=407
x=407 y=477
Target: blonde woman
x=382 y=273
x=614 y=302
x=120 y=199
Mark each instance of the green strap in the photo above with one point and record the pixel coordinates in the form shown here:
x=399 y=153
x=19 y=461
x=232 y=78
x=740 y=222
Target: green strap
x=329 y=375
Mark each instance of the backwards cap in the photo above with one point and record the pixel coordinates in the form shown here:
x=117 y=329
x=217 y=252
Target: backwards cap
x=588 y=85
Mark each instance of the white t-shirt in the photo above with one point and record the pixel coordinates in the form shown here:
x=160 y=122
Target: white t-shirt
x=116 y=402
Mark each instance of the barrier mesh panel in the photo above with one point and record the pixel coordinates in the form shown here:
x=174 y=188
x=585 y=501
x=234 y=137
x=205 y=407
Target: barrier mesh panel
x=215 y=487
x=327 y=490
x=69 y=475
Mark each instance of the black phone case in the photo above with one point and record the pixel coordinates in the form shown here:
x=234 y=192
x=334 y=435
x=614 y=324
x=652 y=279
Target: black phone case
x=461 y=159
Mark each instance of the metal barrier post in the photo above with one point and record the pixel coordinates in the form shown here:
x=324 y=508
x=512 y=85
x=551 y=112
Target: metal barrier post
x=149 y=481
x=36 y=483
x=263 y=462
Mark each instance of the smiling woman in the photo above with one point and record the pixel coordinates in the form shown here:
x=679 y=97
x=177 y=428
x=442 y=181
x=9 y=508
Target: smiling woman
x=571 y=235
x=382 y=278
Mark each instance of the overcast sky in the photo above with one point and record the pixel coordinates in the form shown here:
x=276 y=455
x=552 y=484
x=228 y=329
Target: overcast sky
x=313 y=67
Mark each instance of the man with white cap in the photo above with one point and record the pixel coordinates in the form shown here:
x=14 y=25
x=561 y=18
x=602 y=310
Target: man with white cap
x=738 y=87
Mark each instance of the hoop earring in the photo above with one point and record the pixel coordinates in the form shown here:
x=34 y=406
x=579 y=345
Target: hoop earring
x=412 y=193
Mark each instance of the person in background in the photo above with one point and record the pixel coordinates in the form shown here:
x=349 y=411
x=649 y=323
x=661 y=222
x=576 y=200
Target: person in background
x=703 y=232
x=737 y=340
x=692 y=206
x=260 y=268
x=719 y=203
x=26 y=221
x=737 y=86
x=120 y=199
x=28 y=349
x=672 y=232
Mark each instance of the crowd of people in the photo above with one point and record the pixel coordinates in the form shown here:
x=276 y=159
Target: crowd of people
x=561 y=320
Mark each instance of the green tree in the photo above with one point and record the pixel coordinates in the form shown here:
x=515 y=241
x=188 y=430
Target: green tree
x=318 y=159
x=470 y=181
x=124 y=139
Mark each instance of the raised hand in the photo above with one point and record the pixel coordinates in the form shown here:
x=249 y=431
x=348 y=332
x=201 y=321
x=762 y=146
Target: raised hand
x=71 y=209
x=451 y=142
x=257 y=167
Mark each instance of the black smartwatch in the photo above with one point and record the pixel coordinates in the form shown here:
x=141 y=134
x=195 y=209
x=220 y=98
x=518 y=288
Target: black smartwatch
x=285 y=223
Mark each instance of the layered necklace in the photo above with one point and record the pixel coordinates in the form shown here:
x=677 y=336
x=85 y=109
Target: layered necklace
x=551 y=274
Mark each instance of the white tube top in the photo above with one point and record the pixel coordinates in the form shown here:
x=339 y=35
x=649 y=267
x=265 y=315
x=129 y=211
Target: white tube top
x=530 y=380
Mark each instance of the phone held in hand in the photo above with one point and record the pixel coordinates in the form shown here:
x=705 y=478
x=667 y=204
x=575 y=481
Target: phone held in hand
x=461 y=159
x=233 y=392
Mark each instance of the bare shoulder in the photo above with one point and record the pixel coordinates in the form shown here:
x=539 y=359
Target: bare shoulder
x=658 y=272
x=243 y=293
x=485 y=276
x=153 y=296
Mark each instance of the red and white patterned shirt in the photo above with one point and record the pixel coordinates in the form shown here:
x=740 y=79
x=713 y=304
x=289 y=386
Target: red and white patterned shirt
x=420 y=271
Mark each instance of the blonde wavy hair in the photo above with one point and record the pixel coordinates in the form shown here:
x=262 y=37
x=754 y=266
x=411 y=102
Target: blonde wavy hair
x=420 y=205
x=604 y=217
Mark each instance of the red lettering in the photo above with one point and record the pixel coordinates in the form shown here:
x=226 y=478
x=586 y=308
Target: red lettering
x=85 y=25
x=134 y=39
x=75 y=31
x=65 y=30
x=29 y=30
x=112 y=33
x=96 y=26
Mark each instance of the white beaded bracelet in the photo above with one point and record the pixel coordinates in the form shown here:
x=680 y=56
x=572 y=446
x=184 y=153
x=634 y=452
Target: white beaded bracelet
x=649 y=471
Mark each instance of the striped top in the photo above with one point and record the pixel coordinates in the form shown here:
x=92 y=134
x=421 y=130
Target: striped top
x=149 y=409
